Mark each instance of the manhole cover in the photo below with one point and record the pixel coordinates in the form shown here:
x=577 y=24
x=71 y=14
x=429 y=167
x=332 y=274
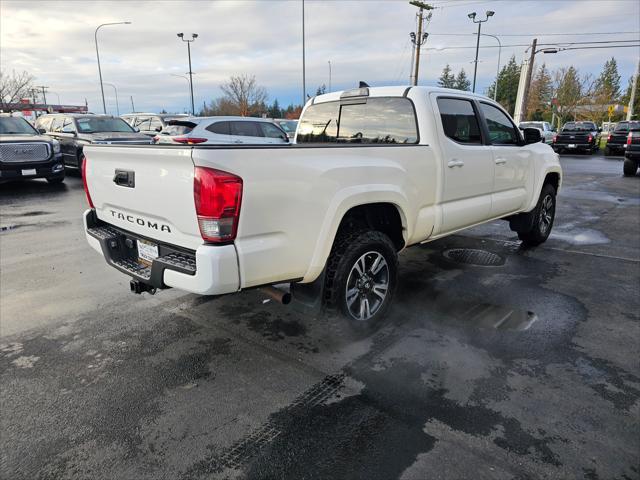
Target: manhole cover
x=472 y=256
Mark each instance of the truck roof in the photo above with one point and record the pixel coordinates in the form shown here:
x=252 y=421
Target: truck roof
x=394 y=91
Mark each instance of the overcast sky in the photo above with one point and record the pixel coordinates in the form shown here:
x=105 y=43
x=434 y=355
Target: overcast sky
x=364 y=40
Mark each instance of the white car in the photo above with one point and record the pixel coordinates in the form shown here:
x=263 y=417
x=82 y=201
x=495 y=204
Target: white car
x=373 y=171
x=546 y=130
x=221 y=131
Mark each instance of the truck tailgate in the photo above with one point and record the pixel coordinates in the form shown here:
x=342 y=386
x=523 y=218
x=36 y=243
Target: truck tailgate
x=157 y=202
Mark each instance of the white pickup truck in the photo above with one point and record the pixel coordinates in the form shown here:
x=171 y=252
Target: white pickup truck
x=373 y=171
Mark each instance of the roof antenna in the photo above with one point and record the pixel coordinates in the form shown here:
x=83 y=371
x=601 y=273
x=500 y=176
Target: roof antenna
x=363 y=84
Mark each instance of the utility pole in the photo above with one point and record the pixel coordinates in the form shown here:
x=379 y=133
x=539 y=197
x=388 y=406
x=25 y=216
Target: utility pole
x=44 y=95
x=634 y=88
x=329 y=75
x=527 y=85
x=421 y=38
x=133 y=108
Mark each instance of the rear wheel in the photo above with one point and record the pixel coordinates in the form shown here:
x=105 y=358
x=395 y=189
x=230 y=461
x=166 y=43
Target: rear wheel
x=361 y=276
x=543 y=217
x=630 y=167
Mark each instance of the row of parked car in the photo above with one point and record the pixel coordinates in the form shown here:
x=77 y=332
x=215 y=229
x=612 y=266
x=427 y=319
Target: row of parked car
x=56 y=141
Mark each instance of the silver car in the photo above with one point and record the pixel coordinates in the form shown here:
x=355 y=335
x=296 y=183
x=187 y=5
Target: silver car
x=546 y=130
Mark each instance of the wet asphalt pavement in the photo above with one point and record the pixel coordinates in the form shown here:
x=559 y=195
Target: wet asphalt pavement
x=525 y=369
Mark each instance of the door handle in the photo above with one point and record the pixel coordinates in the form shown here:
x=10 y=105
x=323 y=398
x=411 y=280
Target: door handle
x=455 y=163
x=501 y=161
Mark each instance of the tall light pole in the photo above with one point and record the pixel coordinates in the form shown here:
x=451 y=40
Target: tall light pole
x=329 y=61
x=116 y=91
x=95 y=36
x=472 y=16
x=419 y=39
x=181 y=76
x=495 y=90
x=304 y=73
x=193 y=37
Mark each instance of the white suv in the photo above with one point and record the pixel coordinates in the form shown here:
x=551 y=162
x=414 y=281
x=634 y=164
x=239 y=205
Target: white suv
x=221 y=130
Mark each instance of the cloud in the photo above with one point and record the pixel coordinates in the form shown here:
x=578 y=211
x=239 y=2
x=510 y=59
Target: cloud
x=363 y=40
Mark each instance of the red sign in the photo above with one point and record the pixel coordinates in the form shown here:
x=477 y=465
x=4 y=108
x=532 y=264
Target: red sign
x=26 y=112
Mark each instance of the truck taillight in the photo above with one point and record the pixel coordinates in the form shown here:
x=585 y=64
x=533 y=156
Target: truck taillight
x=555 y=138
x=84 y=181
x=590 y=138
x=609 y=138
x=217 y=197
x=189 y=140
x=629 y=139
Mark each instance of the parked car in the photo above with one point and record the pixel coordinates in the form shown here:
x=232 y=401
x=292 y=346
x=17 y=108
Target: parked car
x=546 y=130
x=617 y=139
x=221 y=130
x=25 y=153
x=151 y=123
x=74 y=131
x=632 y=152
x=289 y=126
x=373 y=170
x=577 y=137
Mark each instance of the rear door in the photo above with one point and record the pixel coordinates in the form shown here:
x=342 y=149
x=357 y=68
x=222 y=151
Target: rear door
x=273 y=134
x=218 y=132
x=246 y=132
x=158 y=203
x=66 y=132
x=512 y=161
x=468 y=165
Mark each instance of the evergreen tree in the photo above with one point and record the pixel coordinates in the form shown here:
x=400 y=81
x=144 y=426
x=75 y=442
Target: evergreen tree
x=507 y=82
x=462 y=82
x=274 y=110
x=447 y=79
x=608 y=83
x=322 y=89
x=540 y=94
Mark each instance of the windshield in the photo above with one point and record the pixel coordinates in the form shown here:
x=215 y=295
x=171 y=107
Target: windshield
x=531 y=125
x=288 y=126
x=16 y=126
x=103 y=124
x=628 y=127
x=578 y=127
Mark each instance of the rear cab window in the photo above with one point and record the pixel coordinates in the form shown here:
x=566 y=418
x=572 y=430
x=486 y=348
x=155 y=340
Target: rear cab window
x=374 y=120
x=459 y=120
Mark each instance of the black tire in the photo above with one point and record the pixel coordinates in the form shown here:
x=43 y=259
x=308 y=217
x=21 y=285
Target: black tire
x=363 y=248
x=543 y=216
x=629 y=167
x=55 y=180
x=607 y=151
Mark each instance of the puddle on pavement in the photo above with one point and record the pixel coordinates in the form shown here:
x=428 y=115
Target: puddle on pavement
x=6 y=228
x=483 y=315
x=585 y=236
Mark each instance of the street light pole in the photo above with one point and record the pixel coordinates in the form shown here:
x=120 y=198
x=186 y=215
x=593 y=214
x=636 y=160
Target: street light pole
x=329 y=75
x=472 y=16
x=95 y=36
x=193 y=37
x=116 y=92
x=304 y=73
x=419 y=39
x=495 y=90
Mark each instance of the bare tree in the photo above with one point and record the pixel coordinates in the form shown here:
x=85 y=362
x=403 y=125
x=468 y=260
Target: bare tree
x=573 y=93
x=14 y=86
x=245 y=94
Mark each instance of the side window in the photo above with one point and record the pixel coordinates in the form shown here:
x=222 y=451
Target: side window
x=44 y=123
x=221 y=128
x=56 y=124
x=501 y=129
x=129 y=120
x=459 y=120
x=271 y=131
x=68 y=126
x=142 y=123
x=245 y=129
x=156 y=124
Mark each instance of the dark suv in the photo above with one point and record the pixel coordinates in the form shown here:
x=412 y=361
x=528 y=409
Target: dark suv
x=74 y=130
x=24 y=153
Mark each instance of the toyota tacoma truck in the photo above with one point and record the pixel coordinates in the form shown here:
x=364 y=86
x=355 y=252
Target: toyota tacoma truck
x=372 y=171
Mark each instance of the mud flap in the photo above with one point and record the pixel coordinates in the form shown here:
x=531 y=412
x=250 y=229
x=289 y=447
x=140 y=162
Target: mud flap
x=307 y=298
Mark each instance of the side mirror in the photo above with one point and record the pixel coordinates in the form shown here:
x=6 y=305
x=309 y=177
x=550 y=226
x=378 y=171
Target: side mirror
x=136 y=129
x=158 y=129
x=531 y=135
x=42 y=131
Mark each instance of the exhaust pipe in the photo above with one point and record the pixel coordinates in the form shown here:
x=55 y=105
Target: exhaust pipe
x=139 y=287
x=277 y=294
